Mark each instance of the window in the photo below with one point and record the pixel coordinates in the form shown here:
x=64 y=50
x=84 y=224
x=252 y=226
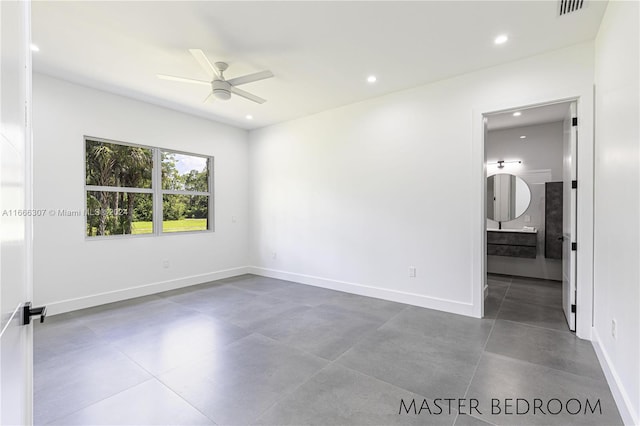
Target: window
x=118 y=189
x=127 y=194
x=185 y=192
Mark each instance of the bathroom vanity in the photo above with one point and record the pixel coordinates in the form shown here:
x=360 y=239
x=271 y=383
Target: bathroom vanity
x=508 y=198
x=512 y=242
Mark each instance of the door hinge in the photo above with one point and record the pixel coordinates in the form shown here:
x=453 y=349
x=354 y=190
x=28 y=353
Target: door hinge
x=28 y=312
x=574 y=121
x=574 y=184
x=573 y=309
x=574 y=246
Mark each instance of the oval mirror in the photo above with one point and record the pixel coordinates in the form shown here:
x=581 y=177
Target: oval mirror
x=508 y=197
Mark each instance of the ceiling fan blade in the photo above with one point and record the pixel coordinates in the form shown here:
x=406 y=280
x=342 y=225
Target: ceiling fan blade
x=209 y=99
x=250 y=78
x=183 y=80
x=247 y=95
x=204 y=62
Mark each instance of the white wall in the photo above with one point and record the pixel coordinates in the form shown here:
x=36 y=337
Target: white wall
x=540 y=152
x=617 y=203
x=72 y=272
x=349 y=198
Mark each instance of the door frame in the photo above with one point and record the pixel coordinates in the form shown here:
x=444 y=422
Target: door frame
x=584 y=98
x=25 y=85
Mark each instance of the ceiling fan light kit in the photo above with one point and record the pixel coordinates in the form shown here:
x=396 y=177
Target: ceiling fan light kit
x=221 y=88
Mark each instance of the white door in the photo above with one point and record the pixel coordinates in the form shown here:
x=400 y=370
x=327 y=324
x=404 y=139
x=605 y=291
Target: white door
x=15 y=228
x=569 y=170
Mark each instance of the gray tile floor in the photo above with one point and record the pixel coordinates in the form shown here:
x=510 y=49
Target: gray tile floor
x=253 y=350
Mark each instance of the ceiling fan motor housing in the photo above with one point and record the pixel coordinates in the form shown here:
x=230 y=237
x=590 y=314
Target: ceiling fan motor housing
x=221 y=89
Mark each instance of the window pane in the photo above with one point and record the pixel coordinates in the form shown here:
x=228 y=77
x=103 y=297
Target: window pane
x=110 y=164
x=182 y=172
x=185 y=213
x=119 y=213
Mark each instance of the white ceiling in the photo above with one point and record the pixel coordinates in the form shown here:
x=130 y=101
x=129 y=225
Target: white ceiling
x=320 y=52
x=529 y=117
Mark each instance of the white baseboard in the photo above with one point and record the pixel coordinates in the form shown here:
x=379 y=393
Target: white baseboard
x=364 y=290
x=629 y=416
x=62 y=306
x=143 y=290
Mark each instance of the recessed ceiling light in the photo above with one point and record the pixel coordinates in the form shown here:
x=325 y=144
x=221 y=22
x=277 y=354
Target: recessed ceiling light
x=523 y=137
x=34 y=48
x=371 y=79
x=501 y=39
x=517 y=114
x=249 y=117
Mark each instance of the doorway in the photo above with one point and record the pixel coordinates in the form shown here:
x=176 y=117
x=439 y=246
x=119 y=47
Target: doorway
x=530 y=164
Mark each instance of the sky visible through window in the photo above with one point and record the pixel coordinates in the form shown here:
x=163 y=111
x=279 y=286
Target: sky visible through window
x=186 y=163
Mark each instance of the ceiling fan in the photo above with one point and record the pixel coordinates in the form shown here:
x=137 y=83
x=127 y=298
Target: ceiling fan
x=221 y=88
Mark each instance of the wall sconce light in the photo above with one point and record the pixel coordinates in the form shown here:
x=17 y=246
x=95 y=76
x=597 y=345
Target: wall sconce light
x=501 y=163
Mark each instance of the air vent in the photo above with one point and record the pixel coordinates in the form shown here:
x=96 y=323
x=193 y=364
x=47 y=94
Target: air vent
x=570 y=6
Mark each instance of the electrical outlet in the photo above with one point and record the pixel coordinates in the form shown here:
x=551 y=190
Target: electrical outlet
x=233 y=219
x=527 y=218
x=274 y=255
x=412 y=271
x=614 y=328
x=165 y=264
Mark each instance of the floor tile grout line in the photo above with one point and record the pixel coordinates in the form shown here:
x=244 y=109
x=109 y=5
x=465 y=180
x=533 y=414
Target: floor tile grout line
x=392 y=317
x=229 y=344
x=329 y=363
x=549 y=368
x=183 y=399
x=501 y=302
x=281 y=398
x=348 y=368
x=291 y=346
x=200 y=358
x=106 y=343
x=544 y=305
x=371 y=332
x=537 y=289
x=538 y=327
x=519 y=322
x=480 y=419
x=99 y=401
x=484 y=347
x=156 y=375
x=475 y=369
x=343 y=352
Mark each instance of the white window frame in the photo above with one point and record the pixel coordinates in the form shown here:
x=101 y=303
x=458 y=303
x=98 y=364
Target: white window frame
x=156 y=190
x=158 y=201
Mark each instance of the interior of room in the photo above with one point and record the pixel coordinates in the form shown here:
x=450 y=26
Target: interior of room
x=533 y=151
x=243 y=215
x=526 y=213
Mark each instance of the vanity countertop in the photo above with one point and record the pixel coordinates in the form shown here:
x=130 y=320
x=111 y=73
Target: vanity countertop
x=524 y=231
